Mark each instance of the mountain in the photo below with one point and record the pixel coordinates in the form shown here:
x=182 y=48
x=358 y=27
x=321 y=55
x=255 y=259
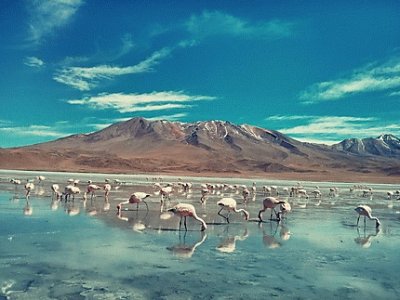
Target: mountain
x=384 y=145
x=217 y=148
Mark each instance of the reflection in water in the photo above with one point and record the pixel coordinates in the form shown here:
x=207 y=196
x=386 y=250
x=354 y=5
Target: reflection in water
x=54 y=204
x=269 y=239
x=91 y=210
x=138 y=224
x=228 y=243
x=186 y=250
x=40 y=191
x=365 y=240
x=27 y=208
x=71 y=209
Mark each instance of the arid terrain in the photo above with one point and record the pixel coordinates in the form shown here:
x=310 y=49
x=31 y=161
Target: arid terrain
x=213 y=148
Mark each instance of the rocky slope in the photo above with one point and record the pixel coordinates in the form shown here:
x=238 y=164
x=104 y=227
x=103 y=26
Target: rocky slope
x=202 y=148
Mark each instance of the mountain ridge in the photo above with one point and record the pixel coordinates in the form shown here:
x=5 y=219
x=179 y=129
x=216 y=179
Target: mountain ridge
x=203 y=147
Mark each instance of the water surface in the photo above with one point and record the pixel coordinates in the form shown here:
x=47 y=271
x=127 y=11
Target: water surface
x=317 y=251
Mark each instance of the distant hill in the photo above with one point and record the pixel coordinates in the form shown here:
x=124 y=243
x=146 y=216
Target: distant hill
x=384 y=145
x=216 y=148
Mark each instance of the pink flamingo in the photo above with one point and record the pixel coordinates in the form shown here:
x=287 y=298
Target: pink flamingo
x=229 y=204
x=366 y=211
x=184 y=210
x=92 y=188
x=271 y=203
x=164 y=192
x=137 y=197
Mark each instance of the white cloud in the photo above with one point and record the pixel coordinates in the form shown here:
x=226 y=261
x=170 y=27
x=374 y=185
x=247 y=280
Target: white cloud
x=287 y=118
x=173 y=117
x=34 y=62
x=369 y=79
x=85 y=78
x=125 y=103
x=333 y=129
x=211 y=23
x=33 y=130
x=46 y=16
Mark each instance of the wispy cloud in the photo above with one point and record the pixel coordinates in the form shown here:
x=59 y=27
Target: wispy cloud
x=288 y=118
x=333 y=129
x=173 y=117
x=46 y=16
x=125 y=103
x=212 y=23
x=86 y=78
x=33 y=62
x=372 y=78
x=33 y=130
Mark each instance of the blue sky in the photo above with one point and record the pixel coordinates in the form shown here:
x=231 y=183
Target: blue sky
x=318 y=71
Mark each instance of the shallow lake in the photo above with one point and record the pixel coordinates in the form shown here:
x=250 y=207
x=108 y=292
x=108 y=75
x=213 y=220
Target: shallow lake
x=83 y=250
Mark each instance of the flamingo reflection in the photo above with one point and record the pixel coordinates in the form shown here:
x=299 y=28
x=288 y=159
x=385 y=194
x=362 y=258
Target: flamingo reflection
x=27 y=208
x=269 y=239
x=185 y=250
x=228 y=243
x=138 y=224
x=365 y=240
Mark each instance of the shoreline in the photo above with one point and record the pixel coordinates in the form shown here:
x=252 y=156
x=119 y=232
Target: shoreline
x=353 y=178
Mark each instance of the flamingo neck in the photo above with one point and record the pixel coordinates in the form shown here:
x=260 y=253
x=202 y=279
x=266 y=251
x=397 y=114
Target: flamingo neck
x=203 y=223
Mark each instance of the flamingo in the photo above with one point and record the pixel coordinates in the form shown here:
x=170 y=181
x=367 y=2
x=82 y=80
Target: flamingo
x=271 y=203
x=302 y=193
x=184 y=210
x=229 y=204
x=245 y=194
x=71 y=190
x=29 y=186
x=366 y=211
x=164 y=192
x=317 y=193
x=92 y=188
x=254 y=189
x=204 y=193
x=56 y=191
x=16 y=182
x=107 y=189
x=284 y=209
x=40 y=178
x=137 y=197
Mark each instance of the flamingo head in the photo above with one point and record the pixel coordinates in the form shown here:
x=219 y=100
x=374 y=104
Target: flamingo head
x=246 y=215
x=203 y=227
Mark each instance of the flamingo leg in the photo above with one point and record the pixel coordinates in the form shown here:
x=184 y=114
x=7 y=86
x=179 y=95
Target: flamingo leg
x=227 y=216
x=180 y=223
x=358 y=220
x=161 y=206
x=185 y=224
x=222 y=214
x=260 y=213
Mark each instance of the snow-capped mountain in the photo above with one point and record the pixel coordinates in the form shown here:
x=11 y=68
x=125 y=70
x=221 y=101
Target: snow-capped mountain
x=384 y=145
x=211 y=147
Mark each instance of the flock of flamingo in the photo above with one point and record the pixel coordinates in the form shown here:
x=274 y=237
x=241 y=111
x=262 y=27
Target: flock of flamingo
x=227 y=205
